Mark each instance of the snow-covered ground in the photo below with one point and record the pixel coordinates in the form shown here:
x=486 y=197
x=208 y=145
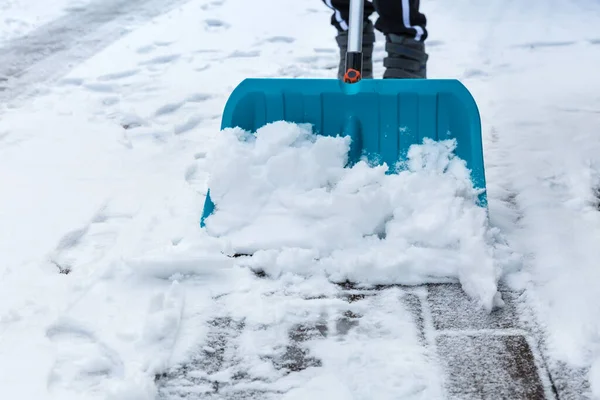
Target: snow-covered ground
x=18 y=17
x=103 y=175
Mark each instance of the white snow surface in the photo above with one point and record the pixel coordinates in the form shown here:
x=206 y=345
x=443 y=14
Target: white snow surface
x=103 y=175
x=20 y=17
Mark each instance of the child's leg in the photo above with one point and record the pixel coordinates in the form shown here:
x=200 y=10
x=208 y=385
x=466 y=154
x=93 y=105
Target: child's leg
x=401 y=17
x=405 y=29
x=341 y=12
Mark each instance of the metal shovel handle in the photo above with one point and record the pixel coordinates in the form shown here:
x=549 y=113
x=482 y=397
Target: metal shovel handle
x=354 y=58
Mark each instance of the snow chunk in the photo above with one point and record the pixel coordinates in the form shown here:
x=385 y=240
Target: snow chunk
x=286 y=196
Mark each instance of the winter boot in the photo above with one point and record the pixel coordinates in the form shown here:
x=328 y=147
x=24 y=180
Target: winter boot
x=406 y=58
x=368 y=41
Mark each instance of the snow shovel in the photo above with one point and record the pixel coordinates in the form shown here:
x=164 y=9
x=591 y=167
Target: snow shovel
x=383 y=117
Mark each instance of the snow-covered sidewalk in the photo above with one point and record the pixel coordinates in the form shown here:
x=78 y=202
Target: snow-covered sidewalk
x=106 y=279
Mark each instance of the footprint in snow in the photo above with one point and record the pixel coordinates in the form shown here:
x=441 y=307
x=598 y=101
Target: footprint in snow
x=212 y=4
x=199 y=97
x=475 y=73
x=435 y=43
x=81 y=361
x=202 y=68
x=110 y=100
x=119 y=75
x=100 y=87
x=131 y=121
x=535 y=45
x=277 y=39
x=166 y=59
x=173 y=107
x=168 y=108
x=188 y=125
x=281 y=39
x=88 y=242
x=244 y=54
x=71 y=82
x=145 y=49
x=190 y=173
x=162 y=44
x=204 y=51
x=68 y=330
x=213 y=24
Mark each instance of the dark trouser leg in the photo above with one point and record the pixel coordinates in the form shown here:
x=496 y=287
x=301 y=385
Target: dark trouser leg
x=401 y=17
x=405 y=29
x=341 y=12
x=339 y=19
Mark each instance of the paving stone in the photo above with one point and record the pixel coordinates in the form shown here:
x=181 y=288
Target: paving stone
x=451 y=309
x=495 y=367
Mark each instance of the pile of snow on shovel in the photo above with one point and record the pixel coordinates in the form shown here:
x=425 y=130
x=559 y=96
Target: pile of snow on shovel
x=287 y=196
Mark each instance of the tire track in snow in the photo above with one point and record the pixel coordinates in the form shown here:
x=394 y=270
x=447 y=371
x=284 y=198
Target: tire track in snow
x=53 y=49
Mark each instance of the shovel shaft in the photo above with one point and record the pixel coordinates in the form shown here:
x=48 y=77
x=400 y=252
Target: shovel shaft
x=355 y=34
x=355 y=26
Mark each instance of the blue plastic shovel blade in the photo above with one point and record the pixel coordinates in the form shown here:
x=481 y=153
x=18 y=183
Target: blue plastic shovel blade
x=384 y=117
